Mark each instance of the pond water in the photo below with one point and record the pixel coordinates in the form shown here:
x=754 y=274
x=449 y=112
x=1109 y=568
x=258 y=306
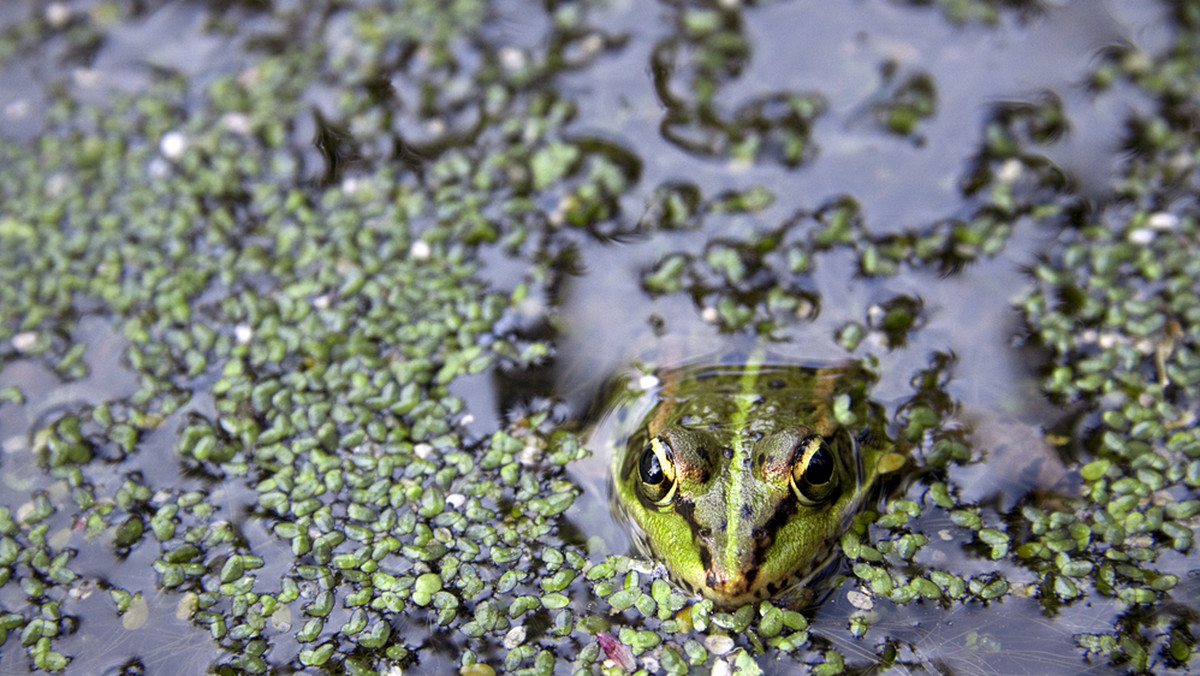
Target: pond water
x=308 y=310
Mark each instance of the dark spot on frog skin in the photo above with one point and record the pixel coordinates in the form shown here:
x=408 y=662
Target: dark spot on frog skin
x=727 y=452
x=686 y=509
x=747 y=510
x=776 y=384
x=783 y=513
x=750 y=575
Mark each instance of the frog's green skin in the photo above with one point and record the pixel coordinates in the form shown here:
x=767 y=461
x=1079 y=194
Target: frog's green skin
x=740 y=480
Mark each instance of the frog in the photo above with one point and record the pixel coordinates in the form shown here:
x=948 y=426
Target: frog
x=740 y=478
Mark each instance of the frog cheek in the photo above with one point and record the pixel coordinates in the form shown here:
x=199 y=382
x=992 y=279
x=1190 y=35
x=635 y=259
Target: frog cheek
x=686 y=566
x=670 y=539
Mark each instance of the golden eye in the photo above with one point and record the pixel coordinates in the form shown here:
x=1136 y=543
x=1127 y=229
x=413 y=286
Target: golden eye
x=812 y=470
x=656 y=468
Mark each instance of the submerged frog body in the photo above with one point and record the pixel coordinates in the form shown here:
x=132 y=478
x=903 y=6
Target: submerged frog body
x=739 y=478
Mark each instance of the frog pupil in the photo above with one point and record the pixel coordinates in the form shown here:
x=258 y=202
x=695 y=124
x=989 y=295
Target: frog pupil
x=649 y=467
x=812 y=470
x=820 y=465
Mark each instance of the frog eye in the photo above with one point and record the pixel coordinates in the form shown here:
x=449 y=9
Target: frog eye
x=812 y=470
x=656 y=468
